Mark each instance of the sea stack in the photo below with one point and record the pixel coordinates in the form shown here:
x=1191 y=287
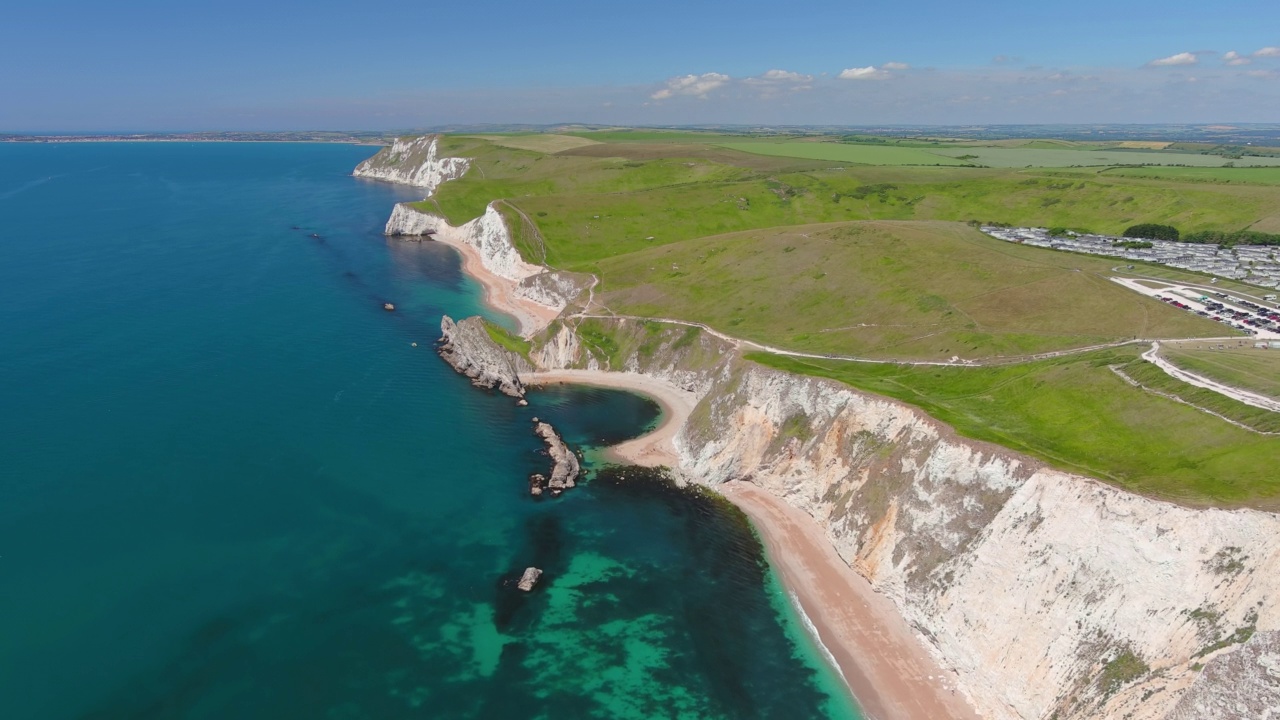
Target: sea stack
x=529 y=578
x=564 y=464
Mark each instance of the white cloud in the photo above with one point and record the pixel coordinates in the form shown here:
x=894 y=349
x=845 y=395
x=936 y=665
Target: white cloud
x=1184 y=58
x=1234 y=58
x=1268 y=74
x=696 y=85
x=863 y=73
x=785 y=76
x=895 y=66
x=1268 y=52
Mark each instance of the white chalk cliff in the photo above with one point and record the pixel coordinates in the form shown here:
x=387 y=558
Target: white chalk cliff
x=414 y=161
x=491 y=238
x=1052 y=596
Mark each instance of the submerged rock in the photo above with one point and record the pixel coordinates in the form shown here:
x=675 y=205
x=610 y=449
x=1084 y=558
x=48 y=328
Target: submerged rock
x=529 y=578
x=564 y=464
x=467 y=347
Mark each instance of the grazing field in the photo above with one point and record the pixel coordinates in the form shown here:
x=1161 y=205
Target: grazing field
x=583 y=227
x=864 y=154
x=1077 y=415
x=540 y=142
x=898 y=290
x=676 y=191
x=1243 y=367
x=1257 y=175
x=1029 y=155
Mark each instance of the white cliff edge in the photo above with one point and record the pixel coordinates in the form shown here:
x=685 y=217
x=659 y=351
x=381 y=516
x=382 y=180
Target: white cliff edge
x=413 y=161
x=490 y=237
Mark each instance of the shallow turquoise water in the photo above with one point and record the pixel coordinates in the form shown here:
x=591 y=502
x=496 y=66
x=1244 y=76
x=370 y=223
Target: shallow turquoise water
x=231 y=487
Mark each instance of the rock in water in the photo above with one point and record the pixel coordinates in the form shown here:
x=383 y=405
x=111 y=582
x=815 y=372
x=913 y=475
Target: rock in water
x=564 y=464
x=466 y=346
x=529 y=579
x=537 y=483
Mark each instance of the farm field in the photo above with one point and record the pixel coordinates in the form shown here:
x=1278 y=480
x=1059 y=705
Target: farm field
x=540 y=142
x=1243 y=367
x=1025 y=156
x=896 y=290
x=1048 y=158
x=1077 y=415
x=865 y=154
x=1259 y=175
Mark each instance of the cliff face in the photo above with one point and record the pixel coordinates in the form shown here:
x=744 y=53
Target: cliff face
x=1051 y=595
x=490 y=237
x=467 y=347
x=414 y=162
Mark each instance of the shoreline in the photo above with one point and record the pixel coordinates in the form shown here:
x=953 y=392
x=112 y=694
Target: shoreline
x=655 y=448
x=884 y=664
x=499 y=292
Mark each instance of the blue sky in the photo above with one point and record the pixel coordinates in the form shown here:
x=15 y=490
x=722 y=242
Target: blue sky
x=77 y=65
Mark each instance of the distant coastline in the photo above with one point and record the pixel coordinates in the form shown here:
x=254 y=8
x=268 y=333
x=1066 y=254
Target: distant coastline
x=372 y=139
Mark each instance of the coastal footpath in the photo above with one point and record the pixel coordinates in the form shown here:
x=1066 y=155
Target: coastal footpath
x=1030 y=593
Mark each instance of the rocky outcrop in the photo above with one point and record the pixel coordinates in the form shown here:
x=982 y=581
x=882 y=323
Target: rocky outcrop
x=413 y=161
x=1049 y=594
x=564 y=464
x=1242 y=684
x=529 y=579
x=467 y=347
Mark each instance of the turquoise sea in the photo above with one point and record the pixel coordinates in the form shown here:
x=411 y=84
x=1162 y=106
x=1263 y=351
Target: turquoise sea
x=231 y=487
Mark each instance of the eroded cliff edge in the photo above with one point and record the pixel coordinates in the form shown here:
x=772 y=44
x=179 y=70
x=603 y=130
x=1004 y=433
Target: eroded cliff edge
x=1052 y=596
x=413 y=161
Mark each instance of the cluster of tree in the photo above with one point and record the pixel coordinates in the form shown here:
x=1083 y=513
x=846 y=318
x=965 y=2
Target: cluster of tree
x=1225 y=238
x=1152 y=231
x=1134 y=244
x=1228 y=239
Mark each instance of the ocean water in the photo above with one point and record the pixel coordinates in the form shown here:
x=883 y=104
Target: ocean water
x=230 y=486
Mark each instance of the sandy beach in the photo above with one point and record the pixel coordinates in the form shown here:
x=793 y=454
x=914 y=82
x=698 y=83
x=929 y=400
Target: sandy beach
x=499 y=292
x=886 y=666
x=654 y=449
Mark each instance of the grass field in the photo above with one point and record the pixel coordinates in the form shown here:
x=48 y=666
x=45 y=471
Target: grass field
x=540 y=142
x=1152 y=377
x=864 y=154
x=1077 y=415
x=585 y=227
x=1025 y=156
x=922 y=291
x=1247 y=367
x=1257 y=175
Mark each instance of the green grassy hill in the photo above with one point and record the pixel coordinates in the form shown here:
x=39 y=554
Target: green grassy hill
x=821 y=255
x=903 y=290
